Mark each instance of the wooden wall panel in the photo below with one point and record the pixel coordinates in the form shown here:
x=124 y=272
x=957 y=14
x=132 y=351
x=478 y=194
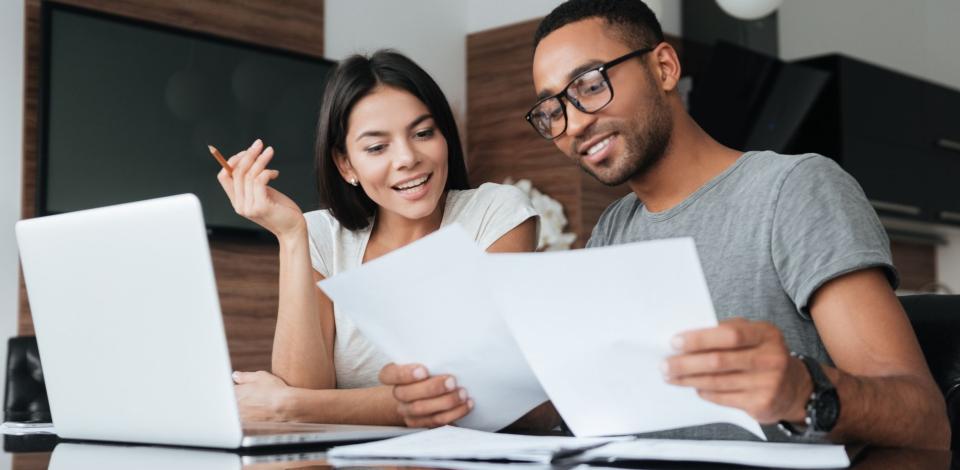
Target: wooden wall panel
x=295 y=25
x=30 y=460
x=247 y=271
x=917 y=265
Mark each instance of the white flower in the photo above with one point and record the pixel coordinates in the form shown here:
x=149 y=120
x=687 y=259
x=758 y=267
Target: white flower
x=552 y=220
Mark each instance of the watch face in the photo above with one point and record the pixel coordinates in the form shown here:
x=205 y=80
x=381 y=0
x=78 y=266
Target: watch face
x=826 y=410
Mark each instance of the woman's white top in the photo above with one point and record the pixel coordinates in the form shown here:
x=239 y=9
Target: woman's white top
x=486 y=213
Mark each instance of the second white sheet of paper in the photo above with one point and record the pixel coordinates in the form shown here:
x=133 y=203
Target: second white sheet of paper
x=596 y=324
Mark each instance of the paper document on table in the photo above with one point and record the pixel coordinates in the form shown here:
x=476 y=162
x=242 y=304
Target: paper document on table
x=425 y=303
x=453 y=443
x=757 y=454
x=596 y=324
x=446 y=464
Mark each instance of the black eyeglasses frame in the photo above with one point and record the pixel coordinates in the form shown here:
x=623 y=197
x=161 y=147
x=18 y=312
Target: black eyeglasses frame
x=565 y=93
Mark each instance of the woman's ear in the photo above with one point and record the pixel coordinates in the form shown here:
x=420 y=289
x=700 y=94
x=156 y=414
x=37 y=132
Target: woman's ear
x=344 y=167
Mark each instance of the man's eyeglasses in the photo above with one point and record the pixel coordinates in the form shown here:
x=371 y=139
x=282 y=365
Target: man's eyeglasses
x=589 y=92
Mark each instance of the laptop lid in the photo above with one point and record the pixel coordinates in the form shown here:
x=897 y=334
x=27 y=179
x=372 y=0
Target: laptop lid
x=128 y=324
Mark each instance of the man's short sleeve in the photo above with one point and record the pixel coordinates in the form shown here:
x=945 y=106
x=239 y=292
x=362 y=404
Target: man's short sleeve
x=823 y=228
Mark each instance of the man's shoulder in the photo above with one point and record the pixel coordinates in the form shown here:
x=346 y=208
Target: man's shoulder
x=770 y=165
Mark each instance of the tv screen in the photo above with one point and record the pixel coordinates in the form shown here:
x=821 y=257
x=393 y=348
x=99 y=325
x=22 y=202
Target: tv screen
x=129 y=108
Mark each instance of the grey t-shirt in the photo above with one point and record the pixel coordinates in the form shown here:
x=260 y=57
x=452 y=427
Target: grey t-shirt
x=770 y=230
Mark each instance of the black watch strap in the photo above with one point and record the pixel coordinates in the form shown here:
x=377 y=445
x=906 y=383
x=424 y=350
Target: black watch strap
x=821 y=382
x=823 y=398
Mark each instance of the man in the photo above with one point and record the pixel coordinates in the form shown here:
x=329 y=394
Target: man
x=795 y=258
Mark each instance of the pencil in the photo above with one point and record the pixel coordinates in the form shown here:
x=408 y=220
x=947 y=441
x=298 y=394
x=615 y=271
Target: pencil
x=223 y=161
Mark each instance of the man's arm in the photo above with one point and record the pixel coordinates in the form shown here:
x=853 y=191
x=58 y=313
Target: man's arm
x=887 y=394
x=886 y=390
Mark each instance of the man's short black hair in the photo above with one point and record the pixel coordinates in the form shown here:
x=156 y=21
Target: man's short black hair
x=632 y=20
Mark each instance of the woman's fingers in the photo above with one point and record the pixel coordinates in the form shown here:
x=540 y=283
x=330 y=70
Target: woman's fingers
x=248 y=186
x=257 y=165
x=447 y=417
x=261 y=162
x=432 y=406
x=424 y=389
x=227 y=184
x=226 y=181
x=402 y=374
x=240 y=171
x=440 y=419
x=260 y=188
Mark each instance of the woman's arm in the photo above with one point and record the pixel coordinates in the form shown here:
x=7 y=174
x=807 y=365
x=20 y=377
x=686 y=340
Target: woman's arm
x=264 y=397
x=374 y=405
x=303 y=342
x=520 y=239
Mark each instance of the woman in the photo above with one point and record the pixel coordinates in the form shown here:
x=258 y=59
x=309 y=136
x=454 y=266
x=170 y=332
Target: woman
x=390 y=170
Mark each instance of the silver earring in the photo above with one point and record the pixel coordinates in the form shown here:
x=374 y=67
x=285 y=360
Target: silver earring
x=354 y=182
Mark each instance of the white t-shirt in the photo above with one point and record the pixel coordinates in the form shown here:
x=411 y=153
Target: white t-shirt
x=486 y=213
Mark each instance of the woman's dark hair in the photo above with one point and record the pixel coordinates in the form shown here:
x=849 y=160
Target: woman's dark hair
x=354 y=78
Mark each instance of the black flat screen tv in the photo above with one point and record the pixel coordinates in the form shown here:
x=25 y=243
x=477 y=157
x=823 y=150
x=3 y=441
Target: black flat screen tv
x=128 y=108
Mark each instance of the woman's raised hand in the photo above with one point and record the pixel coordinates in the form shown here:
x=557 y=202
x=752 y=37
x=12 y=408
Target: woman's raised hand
x=253 y=198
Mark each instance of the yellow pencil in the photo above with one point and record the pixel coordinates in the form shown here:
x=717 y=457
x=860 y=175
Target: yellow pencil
x=223 y=161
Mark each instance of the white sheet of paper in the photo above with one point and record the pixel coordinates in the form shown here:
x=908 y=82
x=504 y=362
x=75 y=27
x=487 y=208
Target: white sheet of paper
x=425 y=303
x=596 y=324
x=453 y=443
x=759 y=454
x=440 y=463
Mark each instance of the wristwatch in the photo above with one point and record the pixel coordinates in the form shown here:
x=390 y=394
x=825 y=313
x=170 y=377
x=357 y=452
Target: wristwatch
x=823 y=407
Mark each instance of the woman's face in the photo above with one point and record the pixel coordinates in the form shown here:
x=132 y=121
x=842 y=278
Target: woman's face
x=396 y=152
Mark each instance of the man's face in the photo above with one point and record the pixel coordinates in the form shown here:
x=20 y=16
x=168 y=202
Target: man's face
x=629 y=136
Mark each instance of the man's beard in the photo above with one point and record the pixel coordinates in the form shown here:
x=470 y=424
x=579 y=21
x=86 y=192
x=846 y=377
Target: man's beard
x=645 y=143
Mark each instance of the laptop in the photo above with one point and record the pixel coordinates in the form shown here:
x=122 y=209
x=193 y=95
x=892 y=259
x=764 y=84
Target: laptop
x=131 y=336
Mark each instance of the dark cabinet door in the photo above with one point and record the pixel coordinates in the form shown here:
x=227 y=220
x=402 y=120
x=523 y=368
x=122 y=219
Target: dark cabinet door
x=879 y=104
x=942 y=137
x=895 y=177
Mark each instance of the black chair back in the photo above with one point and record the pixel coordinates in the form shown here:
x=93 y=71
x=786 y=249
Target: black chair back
x=25 y=397
x=936 y=320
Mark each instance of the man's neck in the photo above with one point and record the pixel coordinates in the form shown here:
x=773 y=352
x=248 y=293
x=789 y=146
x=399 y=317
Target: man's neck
x=691 y=160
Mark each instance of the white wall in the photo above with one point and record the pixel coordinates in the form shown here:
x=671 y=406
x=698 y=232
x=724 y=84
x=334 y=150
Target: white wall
x=431 y=32
x=11 y=150
x=11 y=155
x=488 y=14
x=918 y=37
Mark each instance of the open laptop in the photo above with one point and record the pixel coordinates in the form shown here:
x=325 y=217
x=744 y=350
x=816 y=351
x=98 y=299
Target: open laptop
x=130 y=332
